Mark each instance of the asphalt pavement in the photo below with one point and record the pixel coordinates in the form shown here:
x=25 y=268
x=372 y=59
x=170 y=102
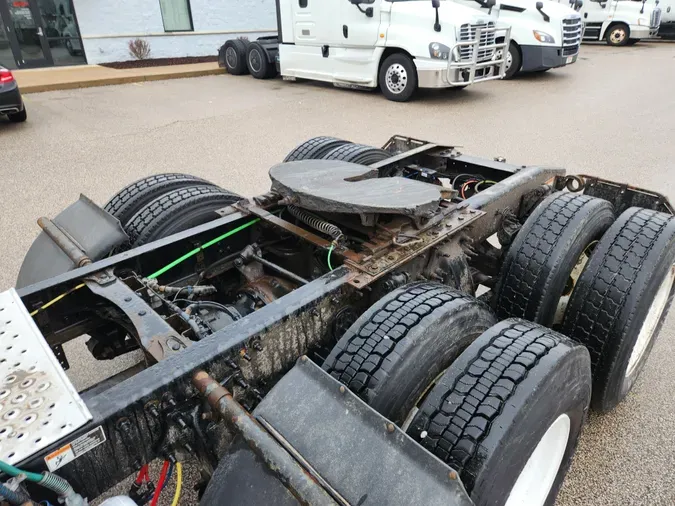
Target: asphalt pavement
x=611 y=114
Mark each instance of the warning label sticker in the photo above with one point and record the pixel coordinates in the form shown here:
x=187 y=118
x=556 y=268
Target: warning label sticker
x=71 y=451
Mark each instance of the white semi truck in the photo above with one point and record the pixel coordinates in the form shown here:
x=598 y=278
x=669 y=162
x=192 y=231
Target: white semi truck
x=544 y=35
x=399 y=46
x=620 y=22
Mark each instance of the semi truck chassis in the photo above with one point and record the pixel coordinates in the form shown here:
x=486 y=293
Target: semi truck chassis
x=224 y=309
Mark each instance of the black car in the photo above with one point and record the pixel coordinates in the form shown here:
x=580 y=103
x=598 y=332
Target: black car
x=11 y=102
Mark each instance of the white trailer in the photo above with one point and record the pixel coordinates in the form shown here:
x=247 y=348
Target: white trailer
x=397 y=45
x=544 y=35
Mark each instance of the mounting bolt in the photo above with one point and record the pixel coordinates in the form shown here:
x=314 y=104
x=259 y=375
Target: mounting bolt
x=173 y=344
x=460 y=218
x=238 y=262
x=452 y=475
x=142 y=312
x=304 y=358
x=390 y=427
x=207 y=416
x=127 y=299
x=343 y=389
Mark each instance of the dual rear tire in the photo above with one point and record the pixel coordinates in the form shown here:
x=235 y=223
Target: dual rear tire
x=432 y=360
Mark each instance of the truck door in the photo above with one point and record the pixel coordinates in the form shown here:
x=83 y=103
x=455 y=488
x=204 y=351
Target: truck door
x=360 y=24
x=594 y=13
x=314 y=21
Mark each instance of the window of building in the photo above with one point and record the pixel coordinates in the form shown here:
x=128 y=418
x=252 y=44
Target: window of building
x=176 y=15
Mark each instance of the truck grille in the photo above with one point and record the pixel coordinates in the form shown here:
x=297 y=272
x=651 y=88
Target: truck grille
x=468 y=32
x=655 y=21
x=571 y=35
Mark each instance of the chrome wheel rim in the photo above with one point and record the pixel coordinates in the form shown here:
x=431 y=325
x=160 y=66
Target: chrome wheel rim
x=396 y=78
x=255 y=60
x=651 y=323
x=537 y=477
x=618 y=35
x=231 y=57
x=509 y=58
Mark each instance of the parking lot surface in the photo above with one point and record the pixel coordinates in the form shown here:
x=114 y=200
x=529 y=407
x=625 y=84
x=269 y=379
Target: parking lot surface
x=611 y=114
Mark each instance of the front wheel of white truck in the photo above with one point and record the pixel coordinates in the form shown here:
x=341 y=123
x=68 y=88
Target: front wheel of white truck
x=398 y=77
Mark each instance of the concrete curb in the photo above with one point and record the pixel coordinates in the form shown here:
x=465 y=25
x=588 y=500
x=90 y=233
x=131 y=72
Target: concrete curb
x=122 y=79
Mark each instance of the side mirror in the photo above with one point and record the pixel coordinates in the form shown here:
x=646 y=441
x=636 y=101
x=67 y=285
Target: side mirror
x=490 y=3
x=355 y=2
x=435 y=3
x=539 y=5
x=579 y=4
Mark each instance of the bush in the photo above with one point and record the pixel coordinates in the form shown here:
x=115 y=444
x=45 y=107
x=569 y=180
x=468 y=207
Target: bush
x=139 y=49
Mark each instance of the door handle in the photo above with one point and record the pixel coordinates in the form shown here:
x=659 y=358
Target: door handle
x=345 y=31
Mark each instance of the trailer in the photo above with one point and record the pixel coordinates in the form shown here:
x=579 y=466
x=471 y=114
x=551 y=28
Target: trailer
x=364 y=44
x=323 y=343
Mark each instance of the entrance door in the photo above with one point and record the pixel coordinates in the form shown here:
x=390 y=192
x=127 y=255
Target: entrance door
x=25 y=33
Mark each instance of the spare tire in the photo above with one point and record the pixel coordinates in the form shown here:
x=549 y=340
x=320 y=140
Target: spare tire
x=132 y=198
x=177 y=210
x=391 y=355
x=314 y=149
x=508 y=413
x=622 y=299
x=538 y=267
x=357 y=153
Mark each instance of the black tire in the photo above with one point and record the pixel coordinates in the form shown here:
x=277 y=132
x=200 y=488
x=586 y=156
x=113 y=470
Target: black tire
x=258 y=64
x=131 y=199
x=516 y=61
x=618 y=35
x=395 y=350
x=488 y=412
x=18 y=117
x=357 y=153
x=614 y=295
x=233 y=57
x=176 y=211
x=314 y=149
x=538 y=265
x=398 y=67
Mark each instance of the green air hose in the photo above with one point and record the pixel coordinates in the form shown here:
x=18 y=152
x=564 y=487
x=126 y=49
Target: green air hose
x=15 y=471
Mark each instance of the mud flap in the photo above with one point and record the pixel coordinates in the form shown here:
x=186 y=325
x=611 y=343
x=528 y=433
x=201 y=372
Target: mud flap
x=92 y=228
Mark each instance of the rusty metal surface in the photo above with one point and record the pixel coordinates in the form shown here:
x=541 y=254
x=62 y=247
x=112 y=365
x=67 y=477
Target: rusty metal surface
x=280 y=463
x=294 y=229
x=341 y=187
x=66 y=243
x=356 y=450
x=155 y=335
x=374 y=268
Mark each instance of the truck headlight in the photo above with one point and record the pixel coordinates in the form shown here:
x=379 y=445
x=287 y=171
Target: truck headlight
x=543 y=37
x=439 y=51
x=643 y=22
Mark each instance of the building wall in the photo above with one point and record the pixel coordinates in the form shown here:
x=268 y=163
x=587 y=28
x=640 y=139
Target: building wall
x=107 y=27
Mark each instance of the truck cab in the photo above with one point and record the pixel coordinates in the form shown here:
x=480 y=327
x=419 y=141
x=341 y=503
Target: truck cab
x=398 y=45
x=620 y=22
x=544 y=35
x=667 y=28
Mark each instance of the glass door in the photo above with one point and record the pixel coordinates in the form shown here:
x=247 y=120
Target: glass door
x=25 y=33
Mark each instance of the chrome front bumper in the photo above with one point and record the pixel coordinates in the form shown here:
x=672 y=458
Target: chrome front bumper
x=477 y=68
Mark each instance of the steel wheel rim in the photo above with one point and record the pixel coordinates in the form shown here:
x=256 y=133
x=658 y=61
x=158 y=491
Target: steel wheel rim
x=231 y=57
x=255 y=60
x=396 y=78
x=618 y=35
x=509 y=58
x=537 y=477
x=651 y=323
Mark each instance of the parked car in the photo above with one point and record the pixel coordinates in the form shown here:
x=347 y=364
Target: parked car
x=11 y=102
